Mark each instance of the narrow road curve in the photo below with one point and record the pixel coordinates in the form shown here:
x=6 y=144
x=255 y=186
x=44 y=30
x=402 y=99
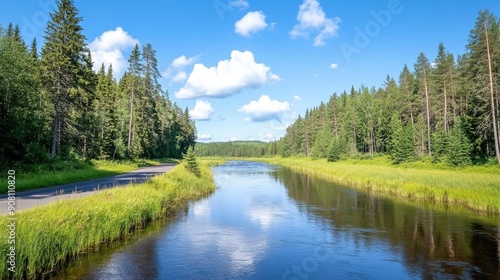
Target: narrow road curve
x=33 y=198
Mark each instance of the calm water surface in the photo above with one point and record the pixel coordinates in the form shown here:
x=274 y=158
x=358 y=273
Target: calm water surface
x=267 y=222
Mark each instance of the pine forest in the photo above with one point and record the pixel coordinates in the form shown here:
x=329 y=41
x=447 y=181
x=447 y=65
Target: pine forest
x=54 y=106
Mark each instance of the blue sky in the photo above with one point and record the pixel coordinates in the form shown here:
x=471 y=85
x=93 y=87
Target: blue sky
x=247 y=69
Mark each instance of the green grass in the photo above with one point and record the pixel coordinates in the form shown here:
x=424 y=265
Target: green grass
x=476 y=188
x=70 y=172
x=50 y=236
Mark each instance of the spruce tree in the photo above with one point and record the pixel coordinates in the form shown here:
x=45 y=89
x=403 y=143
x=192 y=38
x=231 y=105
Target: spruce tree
x=191 y=162
x=460 y=148
x=64 y=59
x=134 y=90
x=401 y=144
x=440 y=142
x=320 y=147
x=337 y=149
x=152 y=93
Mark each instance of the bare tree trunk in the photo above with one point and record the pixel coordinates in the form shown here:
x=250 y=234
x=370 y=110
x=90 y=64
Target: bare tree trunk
x=409 y=103
x=85 y=146
x=422 y=141
x=445 y=110
x=130 y=122
x=307 y=142
x=428 y=113
x=454 y=104
x=54 y=130
x=492 y=96
x=335 y=124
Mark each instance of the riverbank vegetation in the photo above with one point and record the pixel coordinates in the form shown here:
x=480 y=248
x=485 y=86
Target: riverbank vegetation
x=475 y=187
x=54 y=107
x=50 y=236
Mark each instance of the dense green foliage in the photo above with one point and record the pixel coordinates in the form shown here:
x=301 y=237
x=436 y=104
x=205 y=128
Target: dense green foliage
x=54 y=106
x=447 y=109
x=55 y=234
x=191 y=162
x=236 y=149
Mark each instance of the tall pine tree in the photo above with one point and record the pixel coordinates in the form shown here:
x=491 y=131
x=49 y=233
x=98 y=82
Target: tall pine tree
x=64 y=64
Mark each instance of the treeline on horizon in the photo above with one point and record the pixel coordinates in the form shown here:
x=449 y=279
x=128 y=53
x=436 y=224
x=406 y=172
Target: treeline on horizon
x=54 y=106
x=236 y=149
x=446 y=110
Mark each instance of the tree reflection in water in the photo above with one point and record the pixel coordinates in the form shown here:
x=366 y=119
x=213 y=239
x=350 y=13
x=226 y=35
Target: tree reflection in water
x=433 y=243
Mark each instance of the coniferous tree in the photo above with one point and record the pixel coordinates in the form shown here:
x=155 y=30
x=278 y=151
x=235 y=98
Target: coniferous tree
x=483 y=68
x=321 y=143
x=459 y=149
x=442 y=86
x=152 y=93
x=21 y=121
x=191 y=162
x=133 y=89
x=401 y=148
x=422 y=70
x=440 y=140
x=337 y=149
x=65 y=58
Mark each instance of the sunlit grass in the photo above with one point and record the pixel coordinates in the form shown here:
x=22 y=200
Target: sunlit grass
x=93 y=170
x=476 y=188
x=48 y=237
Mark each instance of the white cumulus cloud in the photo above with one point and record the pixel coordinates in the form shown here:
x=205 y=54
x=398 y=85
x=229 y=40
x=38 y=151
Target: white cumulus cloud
x=179 y=77
x=230 y=76
x=242 y=4
x=204 y=137
x=311 y=19
x=264 y=109
x=108 y=49
x=252 y=22
x=176 y=72
x=183 y=61
x=202 y=111
x=334 y=65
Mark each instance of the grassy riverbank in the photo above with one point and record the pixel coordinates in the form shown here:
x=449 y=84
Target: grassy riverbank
x=65 y=172
x=47 y=237
x=476 y=187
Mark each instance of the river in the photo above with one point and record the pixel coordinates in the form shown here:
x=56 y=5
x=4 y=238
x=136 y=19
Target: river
x=267 y=222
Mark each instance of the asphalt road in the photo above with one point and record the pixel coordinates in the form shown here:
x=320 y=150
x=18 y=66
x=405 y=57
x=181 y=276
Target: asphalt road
x=29 y=199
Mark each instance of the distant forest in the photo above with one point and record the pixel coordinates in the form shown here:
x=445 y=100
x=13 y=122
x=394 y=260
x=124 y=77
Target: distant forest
x=54 y=106
x=446 y=110
x=236 y=149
